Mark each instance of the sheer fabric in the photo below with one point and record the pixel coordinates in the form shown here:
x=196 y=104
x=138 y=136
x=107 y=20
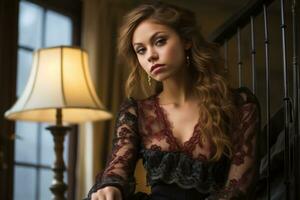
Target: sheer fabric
x=143 y=131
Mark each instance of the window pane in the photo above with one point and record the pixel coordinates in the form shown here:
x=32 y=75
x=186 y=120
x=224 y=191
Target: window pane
x=45 y=183
x=66 y=148
x=66 y=177
x=58 y=29
x=24 y=183
x=26 y=142
x=30 y=25
x=47 y=146
x=38 y=27
x=24 y=67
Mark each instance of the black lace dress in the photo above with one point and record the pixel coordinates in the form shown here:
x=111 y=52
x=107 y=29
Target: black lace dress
x=143 y=131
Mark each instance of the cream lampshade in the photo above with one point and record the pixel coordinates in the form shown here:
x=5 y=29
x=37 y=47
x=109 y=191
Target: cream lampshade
x=59 y=78
x=59 y=90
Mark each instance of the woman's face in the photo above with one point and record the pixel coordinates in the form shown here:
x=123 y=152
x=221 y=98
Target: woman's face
x=159 y=49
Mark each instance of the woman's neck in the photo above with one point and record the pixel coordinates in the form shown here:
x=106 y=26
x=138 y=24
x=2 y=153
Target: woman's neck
x=177 y=90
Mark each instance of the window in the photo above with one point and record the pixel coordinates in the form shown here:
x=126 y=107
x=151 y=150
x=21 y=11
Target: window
x=39 y=27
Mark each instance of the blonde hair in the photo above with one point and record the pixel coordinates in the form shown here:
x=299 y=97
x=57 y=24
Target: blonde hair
x=216 y=102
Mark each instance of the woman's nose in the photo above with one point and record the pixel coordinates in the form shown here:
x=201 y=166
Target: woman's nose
x=152 y=56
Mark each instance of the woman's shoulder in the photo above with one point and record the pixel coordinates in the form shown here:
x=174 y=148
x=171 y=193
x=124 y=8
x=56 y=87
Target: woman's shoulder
x=129 y=103
x=132 y=103
x=142 y=100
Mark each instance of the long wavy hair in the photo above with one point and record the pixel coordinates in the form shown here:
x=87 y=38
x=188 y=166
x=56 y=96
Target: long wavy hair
x=217 y=108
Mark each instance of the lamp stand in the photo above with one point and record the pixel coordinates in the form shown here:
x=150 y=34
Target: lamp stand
x=58 y=131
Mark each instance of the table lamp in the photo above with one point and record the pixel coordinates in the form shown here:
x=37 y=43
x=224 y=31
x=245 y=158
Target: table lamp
x=59 y=89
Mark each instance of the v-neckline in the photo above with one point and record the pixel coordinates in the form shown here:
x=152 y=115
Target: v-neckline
x=167 y=125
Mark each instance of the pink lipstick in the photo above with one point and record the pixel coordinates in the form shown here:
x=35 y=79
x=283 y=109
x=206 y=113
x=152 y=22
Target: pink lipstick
x=155 y=66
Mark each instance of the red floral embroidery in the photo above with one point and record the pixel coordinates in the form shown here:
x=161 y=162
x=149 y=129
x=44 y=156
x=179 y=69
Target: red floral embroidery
x=144 y=124
x=155 y=147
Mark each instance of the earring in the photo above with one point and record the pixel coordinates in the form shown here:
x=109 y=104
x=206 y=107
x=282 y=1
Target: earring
x=149 y=80
x=188 y=62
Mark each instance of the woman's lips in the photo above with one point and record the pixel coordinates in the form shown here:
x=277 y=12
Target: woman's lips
x=156 y=68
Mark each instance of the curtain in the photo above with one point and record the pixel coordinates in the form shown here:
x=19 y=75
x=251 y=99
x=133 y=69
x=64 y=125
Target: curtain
x=99 y=33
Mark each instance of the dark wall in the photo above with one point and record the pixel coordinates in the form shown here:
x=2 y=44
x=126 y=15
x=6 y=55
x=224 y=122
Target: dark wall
x=8 y=62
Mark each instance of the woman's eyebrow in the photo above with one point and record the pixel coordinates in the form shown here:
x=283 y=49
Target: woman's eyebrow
x=151 y=38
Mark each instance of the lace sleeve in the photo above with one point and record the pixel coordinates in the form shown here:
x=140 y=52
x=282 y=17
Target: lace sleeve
x=119 y=170
x=243 y=168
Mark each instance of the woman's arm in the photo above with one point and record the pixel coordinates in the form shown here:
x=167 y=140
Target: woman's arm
x=243 y=168
x=119 y=170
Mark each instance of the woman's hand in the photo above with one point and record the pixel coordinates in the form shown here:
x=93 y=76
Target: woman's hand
x=107 y=193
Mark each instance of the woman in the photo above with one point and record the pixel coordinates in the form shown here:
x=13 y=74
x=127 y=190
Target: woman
x=196 y=136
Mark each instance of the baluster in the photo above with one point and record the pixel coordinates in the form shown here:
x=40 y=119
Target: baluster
x=226 y=57
x=240 y=64
x=267 y=70
x=287 y=104
x=296 y=86
x=253 y=52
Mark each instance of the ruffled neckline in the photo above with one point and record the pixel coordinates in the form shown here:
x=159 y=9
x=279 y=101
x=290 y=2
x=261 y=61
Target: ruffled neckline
x=181 y=145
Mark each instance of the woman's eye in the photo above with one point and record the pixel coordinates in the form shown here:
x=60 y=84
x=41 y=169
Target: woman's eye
x=160 y=41
x=140 y=51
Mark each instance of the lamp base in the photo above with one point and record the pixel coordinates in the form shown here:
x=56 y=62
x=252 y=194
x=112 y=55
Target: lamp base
x=58 y=187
